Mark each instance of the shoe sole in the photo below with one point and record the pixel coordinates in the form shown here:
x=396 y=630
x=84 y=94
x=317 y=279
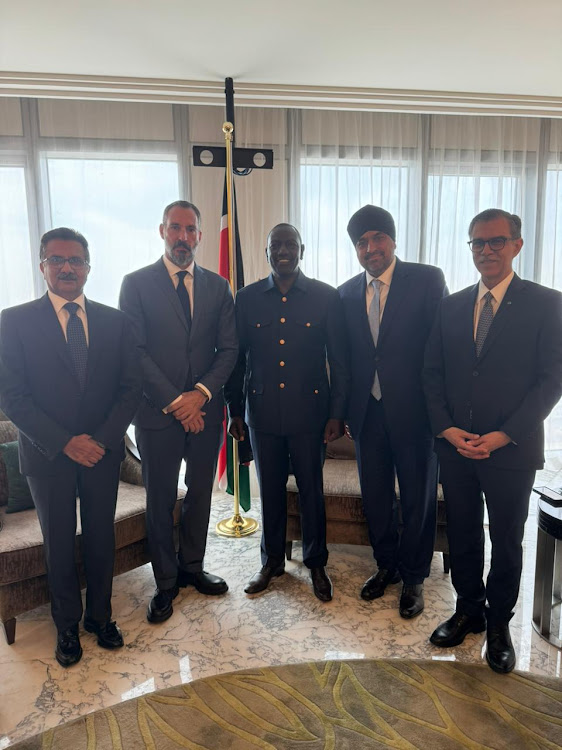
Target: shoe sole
x=458 y=641
x=410 y=616
x=497 y=668
x=106 y=645
x=71 y=663
x=277 y=574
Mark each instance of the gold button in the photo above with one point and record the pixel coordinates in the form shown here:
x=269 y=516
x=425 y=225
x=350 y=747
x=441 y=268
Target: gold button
x=281 y=385
x=281 y=341
x=308 y=325
x=316 y=390
x=258 y=325
x=283 y=299
x=282 y=320
x=281 y=364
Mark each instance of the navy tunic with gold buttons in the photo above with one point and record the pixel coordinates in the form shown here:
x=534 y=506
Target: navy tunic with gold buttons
x=281 y=383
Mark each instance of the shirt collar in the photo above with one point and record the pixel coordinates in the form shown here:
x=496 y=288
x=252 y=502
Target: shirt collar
x=385 y=277
x=59 y=302
x=173 y=269
x=498 y=292
x=299 y=283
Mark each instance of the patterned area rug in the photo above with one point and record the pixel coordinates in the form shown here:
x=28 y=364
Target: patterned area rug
x=335 y=705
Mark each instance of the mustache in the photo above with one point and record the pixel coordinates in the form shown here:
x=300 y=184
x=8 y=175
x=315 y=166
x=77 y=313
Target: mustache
x=67 y=277
x=181 y=243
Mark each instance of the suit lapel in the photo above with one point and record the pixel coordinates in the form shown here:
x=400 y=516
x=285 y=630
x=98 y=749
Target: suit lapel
x=504 y=314
x=359 y=311
x=397 y=293
x=199 y=298
x=95 y=337
x=166 y=286
x=52 y=331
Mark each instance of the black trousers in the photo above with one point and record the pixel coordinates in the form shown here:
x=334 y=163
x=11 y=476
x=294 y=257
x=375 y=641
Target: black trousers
x=55 y=500
x=271 y=454
x=379 y=456
x=162 y=452
x=465 y=485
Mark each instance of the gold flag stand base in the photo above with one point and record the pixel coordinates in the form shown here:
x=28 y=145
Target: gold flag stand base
x=237 y=526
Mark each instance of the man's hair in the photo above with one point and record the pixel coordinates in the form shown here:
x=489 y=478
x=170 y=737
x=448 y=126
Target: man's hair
x=182 y=204
x=490 y=214
x=289 y=226
x=63 y=233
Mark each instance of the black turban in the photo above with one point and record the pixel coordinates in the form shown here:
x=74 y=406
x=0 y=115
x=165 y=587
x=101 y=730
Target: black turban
x=371 y=219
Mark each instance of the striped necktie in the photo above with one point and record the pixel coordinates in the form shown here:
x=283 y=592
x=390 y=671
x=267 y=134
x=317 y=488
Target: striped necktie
x=76 y=342
x=374 y=325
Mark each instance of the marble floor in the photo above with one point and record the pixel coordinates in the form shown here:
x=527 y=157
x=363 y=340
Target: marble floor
x=208 y=635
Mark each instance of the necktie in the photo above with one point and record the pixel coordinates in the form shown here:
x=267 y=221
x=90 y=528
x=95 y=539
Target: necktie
x=374 y=325
x=484 y=322
x=77 y=344
x=183 y=294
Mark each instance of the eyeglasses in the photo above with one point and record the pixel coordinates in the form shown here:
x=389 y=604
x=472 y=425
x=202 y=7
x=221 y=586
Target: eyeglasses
x=57 y=261
x=496 y=244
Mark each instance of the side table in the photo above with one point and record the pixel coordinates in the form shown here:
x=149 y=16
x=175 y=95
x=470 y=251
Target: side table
x=547 y=597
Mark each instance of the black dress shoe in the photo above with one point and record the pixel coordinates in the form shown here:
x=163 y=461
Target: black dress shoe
x=205 y=583
x=68 y=650
x=109 y=635
x=160 y=607
x=411 y=600
x=321 y=584
x=261 y=580
x=500 y=653
x=454 y=630
x=374 y=586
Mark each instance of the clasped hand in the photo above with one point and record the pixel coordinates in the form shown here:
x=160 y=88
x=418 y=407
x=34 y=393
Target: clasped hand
x=187 y=410
x=471 y=445
x=84 y=450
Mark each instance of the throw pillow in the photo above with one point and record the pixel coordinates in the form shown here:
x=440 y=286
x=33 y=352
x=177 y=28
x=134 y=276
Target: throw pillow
x=19 y=495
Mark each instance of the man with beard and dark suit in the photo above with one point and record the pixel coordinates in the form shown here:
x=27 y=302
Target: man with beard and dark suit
x=183 y=319
x=289 y=328
x=493 y=372
x=389 y=310
x=70 y=381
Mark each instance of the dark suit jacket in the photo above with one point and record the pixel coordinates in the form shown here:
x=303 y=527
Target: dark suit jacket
x=313 y=333
x=411 y=305
x=514 y=383
x=173 y=360
x=39 y=389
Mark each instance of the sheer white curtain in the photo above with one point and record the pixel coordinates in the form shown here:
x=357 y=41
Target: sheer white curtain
x=349 y=159
x=477 y=163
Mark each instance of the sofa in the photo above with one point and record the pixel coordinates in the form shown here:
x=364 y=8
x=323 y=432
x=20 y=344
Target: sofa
x=345 y=521
x=23 y=576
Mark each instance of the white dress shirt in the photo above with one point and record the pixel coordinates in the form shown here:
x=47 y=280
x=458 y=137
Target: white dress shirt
x=64 y=316
x=386 y=280
x=498 y=293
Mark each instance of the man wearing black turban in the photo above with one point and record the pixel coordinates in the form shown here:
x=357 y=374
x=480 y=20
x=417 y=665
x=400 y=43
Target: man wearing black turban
x=389 y=311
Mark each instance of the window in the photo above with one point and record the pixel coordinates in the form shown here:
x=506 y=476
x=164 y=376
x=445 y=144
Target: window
x=16 y=282
x=116 y=203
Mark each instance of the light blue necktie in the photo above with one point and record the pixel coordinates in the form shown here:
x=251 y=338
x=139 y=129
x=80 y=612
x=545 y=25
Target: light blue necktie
x=484 y=322
x=374 y=325
x=77 y=344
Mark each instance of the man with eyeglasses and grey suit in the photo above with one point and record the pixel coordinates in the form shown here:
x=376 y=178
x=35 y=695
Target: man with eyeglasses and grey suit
x=493 y=373
x=70 y=381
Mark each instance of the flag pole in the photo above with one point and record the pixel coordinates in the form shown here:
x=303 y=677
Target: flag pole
x=235 y=526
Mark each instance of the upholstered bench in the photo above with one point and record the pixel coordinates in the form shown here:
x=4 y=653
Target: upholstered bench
x=23 y=577
x=345 y=520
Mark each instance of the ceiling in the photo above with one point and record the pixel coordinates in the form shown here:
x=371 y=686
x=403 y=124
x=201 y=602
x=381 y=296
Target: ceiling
x=505 y=47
